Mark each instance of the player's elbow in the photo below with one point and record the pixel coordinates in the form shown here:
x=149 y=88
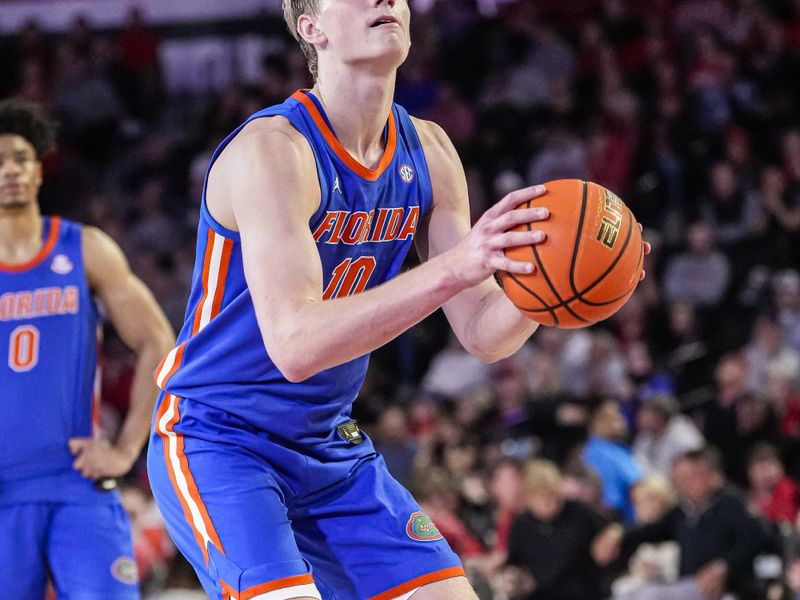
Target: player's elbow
x=490 y=357
x=287 y=345
x=496 y=347
x=492 y=353
x=295 y=374
x=483 y=353
x=294 y=365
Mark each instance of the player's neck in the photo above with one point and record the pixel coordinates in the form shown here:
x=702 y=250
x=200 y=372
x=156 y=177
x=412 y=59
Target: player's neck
x=357 y=105
x=20 y=230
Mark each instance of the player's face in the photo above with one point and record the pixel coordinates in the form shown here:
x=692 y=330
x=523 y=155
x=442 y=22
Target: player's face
x=367 y=31
x=20 y=172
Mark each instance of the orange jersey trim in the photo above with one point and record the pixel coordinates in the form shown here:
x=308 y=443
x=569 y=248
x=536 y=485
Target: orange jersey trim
x=419 y=582
x=172 y=439
x=204 y=279
x=210 y=302
x=278 y=584
x=162 y=410
x=175 y=365
x=227 y=250
x=44 y=251
x=355 y=166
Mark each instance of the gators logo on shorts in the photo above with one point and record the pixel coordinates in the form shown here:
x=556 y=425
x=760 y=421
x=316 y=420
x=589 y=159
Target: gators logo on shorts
x=421 y=528
x=124 y=569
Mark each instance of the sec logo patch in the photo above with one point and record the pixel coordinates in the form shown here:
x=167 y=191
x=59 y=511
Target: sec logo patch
x=406 y=173
x=61 y=264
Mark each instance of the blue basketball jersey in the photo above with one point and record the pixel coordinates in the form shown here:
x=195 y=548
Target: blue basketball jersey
x=48 y=365
x=363 y=228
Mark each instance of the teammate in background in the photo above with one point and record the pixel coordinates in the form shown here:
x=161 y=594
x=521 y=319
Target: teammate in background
x=309 y=209
x=54 y=521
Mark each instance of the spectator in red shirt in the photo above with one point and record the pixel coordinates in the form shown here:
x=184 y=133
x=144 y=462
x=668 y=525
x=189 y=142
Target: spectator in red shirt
x=506 y=489
x=771 y=492
x=439 y=498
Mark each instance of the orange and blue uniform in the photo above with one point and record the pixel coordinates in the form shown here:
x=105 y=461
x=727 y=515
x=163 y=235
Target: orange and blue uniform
x=53 y=520
x=267 y=486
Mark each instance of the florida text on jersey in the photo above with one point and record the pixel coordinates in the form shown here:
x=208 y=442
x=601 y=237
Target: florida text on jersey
x=363 y=228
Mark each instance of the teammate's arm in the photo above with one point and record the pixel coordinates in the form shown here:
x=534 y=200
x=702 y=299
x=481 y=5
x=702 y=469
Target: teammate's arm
x=265 y=185
x=487 y=324
x=143 y=327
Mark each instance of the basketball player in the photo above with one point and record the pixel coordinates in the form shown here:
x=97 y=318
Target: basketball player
x=309 y=209
x=54 y=521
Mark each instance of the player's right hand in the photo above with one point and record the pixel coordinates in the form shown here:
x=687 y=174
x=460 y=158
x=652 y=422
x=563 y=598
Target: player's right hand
x=480 y=253
x=97 y=458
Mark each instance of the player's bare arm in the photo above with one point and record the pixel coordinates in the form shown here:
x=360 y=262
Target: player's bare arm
x=143 y=327
x=487 y=324
x=265 y=186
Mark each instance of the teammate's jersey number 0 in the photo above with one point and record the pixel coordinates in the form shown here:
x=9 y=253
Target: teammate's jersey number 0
x=23 y=348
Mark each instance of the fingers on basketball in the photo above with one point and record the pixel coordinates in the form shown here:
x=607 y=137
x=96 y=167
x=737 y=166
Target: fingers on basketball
x=590 y=263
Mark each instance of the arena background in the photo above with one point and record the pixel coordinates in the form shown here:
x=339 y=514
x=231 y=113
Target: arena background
x=688 y=109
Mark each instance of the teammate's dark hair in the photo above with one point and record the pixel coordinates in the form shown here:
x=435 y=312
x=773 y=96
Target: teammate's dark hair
x=29 y=121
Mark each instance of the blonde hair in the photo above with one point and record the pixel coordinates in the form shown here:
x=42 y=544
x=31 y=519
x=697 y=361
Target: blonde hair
x=292 y=9
x=541 y=477
x=660 y=487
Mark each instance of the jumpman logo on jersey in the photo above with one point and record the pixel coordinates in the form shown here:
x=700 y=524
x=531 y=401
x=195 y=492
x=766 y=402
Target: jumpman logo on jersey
x=337 y=186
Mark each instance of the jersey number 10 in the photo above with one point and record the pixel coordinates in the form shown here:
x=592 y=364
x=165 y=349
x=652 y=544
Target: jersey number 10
x=350 y=277
x=23 y=348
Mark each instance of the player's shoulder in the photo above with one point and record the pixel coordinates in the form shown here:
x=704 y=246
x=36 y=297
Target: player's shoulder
x=430 y=133
x=268 y=135
x=268 y=153
x=267 y=147
x=444 y=164
x=275 y=126
x=101 y=254
x=95 y=238
x=439 y=150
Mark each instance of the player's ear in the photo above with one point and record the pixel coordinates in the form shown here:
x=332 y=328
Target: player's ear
x=308 y=29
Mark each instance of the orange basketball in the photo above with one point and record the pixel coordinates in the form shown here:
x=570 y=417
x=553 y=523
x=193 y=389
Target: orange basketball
x=588 y=266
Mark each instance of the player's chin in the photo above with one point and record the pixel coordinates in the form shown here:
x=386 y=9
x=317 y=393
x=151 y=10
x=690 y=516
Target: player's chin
x=392 y=48
x=383 y=62
x=14 y=203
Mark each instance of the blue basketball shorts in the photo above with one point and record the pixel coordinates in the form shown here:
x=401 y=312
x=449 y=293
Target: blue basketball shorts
x=258 y=519
x=84 y=548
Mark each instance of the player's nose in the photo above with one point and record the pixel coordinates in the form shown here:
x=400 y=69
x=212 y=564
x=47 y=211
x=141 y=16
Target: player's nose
x=9 y=169
x=389 y=3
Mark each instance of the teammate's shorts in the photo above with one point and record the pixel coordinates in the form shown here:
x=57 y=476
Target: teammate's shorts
x=266 y=520
x=84 y=548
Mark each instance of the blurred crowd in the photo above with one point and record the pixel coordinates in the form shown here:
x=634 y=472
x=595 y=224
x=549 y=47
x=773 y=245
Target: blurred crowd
x=656 y=455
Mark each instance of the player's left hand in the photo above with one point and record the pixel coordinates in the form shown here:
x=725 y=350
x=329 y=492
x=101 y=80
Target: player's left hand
x=95 y=459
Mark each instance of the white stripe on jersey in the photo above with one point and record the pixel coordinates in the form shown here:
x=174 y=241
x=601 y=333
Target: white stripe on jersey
x=213 y=279
x=175 y=465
